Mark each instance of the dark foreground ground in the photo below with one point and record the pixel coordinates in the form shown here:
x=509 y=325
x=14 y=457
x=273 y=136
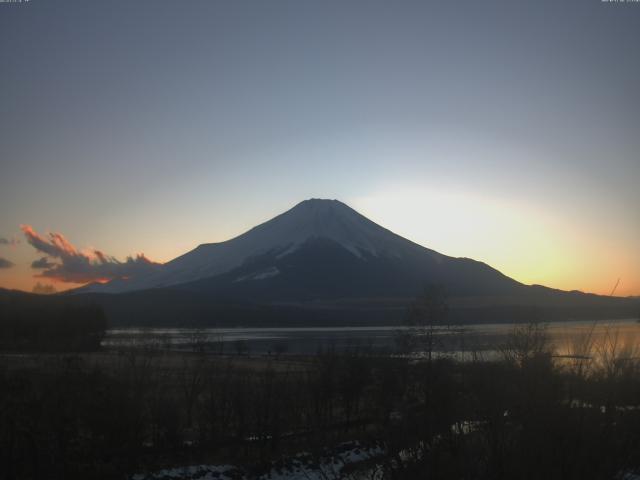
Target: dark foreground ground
x=529 y=415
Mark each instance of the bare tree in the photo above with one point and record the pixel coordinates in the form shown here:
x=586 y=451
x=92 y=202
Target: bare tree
x=428 y=312
x=526 y=343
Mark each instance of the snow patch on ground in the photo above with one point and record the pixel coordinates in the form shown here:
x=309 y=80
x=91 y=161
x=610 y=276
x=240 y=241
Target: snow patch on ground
x=307 y=467
x=194 y=472
x=302 y=466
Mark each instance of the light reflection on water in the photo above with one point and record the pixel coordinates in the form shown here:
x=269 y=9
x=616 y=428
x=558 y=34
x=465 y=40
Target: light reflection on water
x=567 y=338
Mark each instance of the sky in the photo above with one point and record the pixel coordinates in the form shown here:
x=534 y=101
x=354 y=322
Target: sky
x=507 y=132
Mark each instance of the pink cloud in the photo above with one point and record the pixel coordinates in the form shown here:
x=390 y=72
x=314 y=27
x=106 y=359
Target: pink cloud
x=65 y=263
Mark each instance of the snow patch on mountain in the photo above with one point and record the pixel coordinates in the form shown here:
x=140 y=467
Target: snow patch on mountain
x=261 y=275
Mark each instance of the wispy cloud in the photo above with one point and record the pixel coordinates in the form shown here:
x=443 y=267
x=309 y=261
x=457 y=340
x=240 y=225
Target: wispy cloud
x=4 y=263
x=65 y=263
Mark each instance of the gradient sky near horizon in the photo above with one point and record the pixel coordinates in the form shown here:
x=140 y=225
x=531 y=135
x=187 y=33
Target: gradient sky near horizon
x=508 y=132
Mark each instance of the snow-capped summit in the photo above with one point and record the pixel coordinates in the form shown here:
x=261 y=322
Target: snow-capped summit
x=328 y=219
x=310 y=219
x=317 y=248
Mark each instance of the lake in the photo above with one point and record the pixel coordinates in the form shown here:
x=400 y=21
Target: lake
x=566 y=338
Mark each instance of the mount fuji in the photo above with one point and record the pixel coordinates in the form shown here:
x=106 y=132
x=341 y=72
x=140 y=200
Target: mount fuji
x=323 y=263
x=318 y=249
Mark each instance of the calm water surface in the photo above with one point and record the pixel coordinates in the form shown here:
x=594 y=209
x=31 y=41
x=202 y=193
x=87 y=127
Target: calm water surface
x=567 y=337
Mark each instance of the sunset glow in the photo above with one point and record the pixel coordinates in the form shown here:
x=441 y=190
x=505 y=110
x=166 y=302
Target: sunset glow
x=529 y=245
x=509 y=146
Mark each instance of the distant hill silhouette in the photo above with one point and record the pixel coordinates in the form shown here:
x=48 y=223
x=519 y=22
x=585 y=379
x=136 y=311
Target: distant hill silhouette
x=30 y=322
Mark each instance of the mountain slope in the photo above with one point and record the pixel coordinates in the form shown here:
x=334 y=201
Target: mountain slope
x=322 y=269
x=318 y=249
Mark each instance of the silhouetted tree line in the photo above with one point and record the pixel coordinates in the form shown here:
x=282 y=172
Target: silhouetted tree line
x=35 y=323
x=526 y=416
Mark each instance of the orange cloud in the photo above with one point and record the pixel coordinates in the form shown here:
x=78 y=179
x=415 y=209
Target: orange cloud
x=65 y=263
